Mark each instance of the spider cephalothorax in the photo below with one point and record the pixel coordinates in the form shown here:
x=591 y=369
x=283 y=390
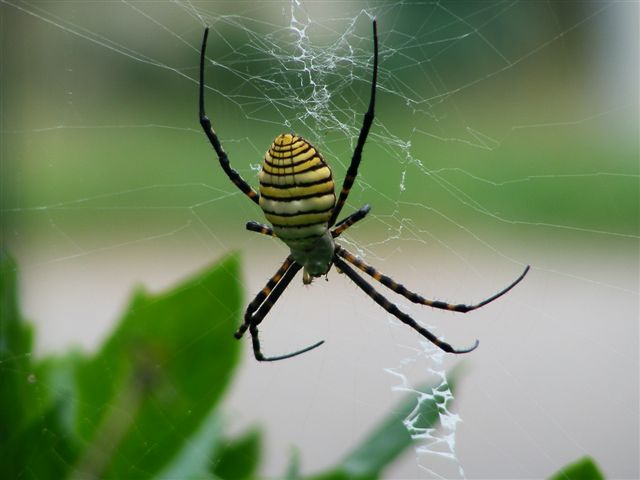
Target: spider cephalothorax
x=297 y=197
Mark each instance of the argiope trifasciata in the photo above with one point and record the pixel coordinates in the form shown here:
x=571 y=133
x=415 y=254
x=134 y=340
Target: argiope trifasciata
x=298 y=199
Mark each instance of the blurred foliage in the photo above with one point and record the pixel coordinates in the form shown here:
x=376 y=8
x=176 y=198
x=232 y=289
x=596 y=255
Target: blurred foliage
x=146 y=404
x=583 y=469
x=135 y=407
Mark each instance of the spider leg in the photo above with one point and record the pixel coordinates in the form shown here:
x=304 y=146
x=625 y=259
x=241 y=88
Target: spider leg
x=259 y=228
x=262 y=295
x=213 y=138
x=262 y=304
x=414 y=297
x=394 y=310
x=261 y=358
x=352 y=172
x=345 y=223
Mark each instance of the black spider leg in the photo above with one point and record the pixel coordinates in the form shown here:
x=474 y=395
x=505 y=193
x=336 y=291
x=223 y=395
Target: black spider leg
x=262 y=295
x=213 y=138
x=336 y=232
x=395 y=311
x=350 y=220
x=414 y=297
x=260 y=228
x=265 y=300
x=352 y=172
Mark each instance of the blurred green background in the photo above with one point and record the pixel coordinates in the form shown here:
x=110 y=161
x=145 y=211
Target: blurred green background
x=103 y=100
x=506 y=134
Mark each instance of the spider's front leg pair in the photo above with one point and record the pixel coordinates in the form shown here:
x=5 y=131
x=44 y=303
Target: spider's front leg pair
x=267 y=297
x=343 y=256
x=339 y=261
x=262 y=304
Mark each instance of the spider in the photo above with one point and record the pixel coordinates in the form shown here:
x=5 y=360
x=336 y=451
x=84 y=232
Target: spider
x=298 y=199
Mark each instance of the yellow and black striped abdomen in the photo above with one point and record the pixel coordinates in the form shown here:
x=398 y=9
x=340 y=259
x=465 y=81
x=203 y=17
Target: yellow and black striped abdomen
x=296 y=189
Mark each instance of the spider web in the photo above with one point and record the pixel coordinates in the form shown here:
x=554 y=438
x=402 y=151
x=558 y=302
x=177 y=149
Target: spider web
x=505 y=134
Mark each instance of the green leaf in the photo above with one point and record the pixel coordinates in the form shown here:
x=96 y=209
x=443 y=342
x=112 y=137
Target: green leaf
x=43 y=450
x=194 y=459
x=157 y=378
x=239 y=458
x=17 y=389
x=390 y=439
x=33 y=441
x=56 y=375
x=583 y=469
x=293 y=469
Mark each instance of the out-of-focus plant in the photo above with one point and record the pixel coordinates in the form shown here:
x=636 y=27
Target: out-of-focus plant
x=582 y=469
x=146 y=404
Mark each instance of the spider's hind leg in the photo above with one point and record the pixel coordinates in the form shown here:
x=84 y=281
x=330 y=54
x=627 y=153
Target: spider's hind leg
x=352 y=171
x=205 y=123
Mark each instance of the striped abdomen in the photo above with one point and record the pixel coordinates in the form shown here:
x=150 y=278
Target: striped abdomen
x=296 y=190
